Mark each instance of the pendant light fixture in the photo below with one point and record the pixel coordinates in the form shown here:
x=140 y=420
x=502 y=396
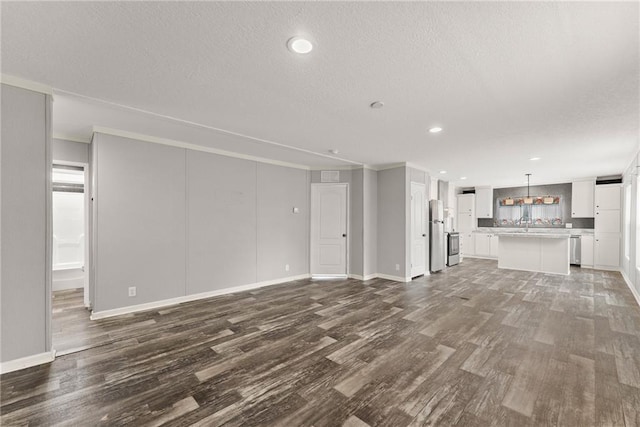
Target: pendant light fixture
x=528 y=200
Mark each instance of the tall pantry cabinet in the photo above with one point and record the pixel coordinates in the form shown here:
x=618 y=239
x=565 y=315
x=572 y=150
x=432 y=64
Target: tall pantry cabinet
x=466 y=223
x=607 y=231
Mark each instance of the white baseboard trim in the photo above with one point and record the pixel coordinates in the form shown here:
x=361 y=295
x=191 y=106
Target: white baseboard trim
x=27 y=362
x=606 y=268
x=394 y=278
x=635 y=293
x=363 y=278
x=96 y=315
x=481 y=257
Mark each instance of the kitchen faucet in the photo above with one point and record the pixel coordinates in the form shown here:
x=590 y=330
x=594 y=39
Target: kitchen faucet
x=526 y=223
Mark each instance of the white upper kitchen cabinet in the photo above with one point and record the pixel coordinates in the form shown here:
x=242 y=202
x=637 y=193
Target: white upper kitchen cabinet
x=484 y=202
x=582 y=199
x=466 y=212
x=466 y=203
x=607 y=221
x=466 y=222
x=608 y=208
x=608 y=196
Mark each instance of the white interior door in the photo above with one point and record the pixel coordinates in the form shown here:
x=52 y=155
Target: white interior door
x=418 y=230
x=329 y=229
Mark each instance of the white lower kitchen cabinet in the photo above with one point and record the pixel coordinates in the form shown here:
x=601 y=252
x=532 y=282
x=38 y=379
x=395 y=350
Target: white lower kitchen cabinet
x=486 y=245
x=467 y=244
x=586 y=251
x=606 y=252
x=493 y=253
x=483 y=244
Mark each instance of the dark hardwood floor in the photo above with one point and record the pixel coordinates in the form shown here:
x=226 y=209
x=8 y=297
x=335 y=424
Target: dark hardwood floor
x=471 y=346
x=72 y=329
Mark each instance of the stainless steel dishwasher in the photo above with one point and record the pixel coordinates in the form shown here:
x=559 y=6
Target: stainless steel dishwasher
x=575 y=251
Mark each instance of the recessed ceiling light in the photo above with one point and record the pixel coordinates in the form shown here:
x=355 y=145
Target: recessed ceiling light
x=535 y=158
x=334 y=151
x=377 y=104
x=463 y=177
x=435 y=130
x=299 y=45
x=443 y=171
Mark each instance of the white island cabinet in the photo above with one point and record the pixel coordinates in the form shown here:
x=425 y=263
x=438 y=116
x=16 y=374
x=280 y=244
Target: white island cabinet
x=539 y=252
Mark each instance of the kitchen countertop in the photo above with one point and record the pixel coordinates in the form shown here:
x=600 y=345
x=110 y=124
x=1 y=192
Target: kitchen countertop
x=535 y=234
x=566 y=231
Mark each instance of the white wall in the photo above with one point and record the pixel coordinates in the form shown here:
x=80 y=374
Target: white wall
x=356 y=226
x=370 y=222
x=176 y=222
x=69 y=151
x=25 y=196
x=140 y=228
x=283 y=236
x=221 y=231
x=392 y=222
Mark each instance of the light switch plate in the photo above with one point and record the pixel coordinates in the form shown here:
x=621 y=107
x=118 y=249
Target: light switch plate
x=296 y=210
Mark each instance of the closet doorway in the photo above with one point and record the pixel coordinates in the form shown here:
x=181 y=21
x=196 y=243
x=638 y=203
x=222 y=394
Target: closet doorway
x=70 y=284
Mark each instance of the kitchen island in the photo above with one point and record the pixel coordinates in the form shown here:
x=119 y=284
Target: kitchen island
x=531 y=251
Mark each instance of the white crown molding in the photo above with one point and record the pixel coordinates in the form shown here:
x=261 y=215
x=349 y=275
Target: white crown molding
x=203 y=126
x=189 y=146
x=25 y=84
x=27 y=362
x=418 y=167
x=71 y=138
x=96 y=315
x=337 y=168
x=387 y=166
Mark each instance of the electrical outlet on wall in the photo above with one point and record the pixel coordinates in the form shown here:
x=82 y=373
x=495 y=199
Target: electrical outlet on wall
x=132 y=291
x=286 y=267
x=397 y=267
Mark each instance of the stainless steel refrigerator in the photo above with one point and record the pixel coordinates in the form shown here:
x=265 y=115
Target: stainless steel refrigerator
x=436 y=235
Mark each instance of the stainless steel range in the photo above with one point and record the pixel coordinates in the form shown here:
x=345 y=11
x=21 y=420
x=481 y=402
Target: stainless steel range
x=453 y=251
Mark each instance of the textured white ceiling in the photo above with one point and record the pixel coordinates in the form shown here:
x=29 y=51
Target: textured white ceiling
x=506 y=80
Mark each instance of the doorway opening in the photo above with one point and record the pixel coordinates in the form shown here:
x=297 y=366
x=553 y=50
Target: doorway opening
x=70 y=296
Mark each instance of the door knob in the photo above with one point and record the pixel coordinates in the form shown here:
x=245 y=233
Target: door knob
x=424 y=235
x=344 y=235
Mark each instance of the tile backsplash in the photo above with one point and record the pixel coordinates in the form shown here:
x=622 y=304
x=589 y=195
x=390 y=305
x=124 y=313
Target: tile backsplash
x=561 y=190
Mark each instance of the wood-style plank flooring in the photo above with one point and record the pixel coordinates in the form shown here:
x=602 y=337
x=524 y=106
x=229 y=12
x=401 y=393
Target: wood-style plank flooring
x=72 y=328
x=472 y=346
